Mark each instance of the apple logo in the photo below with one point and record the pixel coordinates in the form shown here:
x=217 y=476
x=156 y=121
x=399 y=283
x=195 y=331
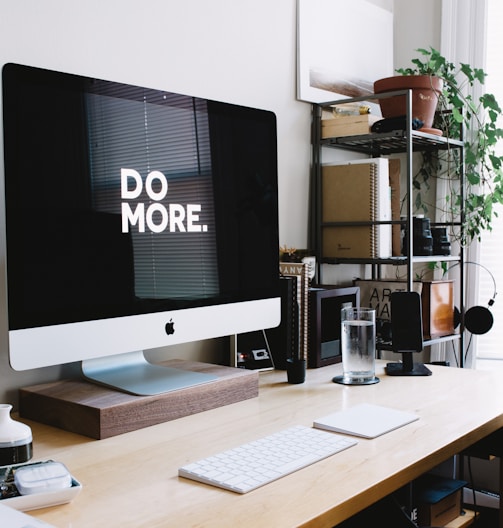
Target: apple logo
x=170 y=327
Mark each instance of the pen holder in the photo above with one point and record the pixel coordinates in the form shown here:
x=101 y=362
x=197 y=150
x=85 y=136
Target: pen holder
x=16 y=444
x=296 y=370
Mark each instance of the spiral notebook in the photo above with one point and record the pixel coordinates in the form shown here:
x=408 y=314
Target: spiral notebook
x=366 y=420
x=356 y=191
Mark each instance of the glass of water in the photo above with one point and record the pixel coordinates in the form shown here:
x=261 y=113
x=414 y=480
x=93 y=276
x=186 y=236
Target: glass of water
x=358 y=346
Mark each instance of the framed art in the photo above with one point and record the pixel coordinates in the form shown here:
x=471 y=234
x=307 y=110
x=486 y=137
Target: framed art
x=342 y=51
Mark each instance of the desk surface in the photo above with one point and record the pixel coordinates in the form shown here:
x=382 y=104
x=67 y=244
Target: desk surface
x=131 y=480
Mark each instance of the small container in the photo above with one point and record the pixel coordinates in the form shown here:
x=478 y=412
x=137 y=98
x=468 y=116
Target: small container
x=16 y=442
x=296 y=370
x=44 y=477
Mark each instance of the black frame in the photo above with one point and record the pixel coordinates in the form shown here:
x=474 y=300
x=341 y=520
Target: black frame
x=318 y=320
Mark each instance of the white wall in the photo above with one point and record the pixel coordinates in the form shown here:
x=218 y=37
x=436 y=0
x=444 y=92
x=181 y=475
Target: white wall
x=239 y=51
x=416 y=25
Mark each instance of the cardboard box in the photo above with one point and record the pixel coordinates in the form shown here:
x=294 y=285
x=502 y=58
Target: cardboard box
x=438 y=499
x=442 y=512
x=347 y=125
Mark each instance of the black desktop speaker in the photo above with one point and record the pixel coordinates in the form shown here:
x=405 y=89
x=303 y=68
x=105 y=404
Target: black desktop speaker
x=406 y=333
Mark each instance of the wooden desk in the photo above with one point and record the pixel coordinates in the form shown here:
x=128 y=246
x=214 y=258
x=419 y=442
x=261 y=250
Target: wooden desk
x=131 y=480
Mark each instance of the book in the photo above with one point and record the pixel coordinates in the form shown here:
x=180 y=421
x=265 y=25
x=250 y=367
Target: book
x=376 y=294
x=352 y=192
x=394 y=183
x=366 y=420
x=301 y=271
x=437 y=303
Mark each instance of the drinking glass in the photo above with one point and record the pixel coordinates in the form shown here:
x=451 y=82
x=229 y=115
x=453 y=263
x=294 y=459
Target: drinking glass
x=358 y=346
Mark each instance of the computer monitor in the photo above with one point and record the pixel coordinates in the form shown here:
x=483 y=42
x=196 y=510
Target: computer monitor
x=135 y=218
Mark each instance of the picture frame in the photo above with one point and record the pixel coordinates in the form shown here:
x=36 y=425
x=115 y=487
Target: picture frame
x=341 y=54
x=325 y=304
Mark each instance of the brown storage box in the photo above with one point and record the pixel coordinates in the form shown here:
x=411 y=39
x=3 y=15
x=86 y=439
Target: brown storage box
x=438 y=308
x=437 y=499
x=347 y=125
x=440 y=513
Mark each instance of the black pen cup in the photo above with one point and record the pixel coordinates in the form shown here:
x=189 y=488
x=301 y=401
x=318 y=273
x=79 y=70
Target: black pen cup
x=296 y=370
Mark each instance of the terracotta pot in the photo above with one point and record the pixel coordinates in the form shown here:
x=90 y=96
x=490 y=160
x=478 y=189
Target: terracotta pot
x=426 y=90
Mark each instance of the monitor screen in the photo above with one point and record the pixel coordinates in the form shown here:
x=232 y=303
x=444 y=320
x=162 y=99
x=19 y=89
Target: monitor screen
x=135 y=218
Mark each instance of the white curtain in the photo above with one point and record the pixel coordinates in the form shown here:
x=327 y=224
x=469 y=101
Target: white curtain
x=489 y=345
x=463 y=31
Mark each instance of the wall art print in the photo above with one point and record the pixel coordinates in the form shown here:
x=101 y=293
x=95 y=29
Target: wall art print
x=343 y=47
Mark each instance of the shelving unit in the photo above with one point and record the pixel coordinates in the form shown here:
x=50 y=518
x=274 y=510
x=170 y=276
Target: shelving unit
x=406 y=141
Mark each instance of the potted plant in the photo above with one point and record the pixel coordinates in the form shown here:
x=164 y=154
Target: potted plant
x=460 y=115
x=426 y=91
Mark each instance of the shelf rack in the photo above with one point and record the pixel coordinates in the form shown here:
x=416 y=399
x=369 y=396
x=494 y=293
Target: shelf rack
x=406 y=141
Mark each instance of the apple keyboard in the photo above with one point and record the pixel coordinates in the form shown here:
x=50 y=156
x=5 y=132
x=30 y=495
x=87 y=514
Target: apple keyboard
x=251 y=465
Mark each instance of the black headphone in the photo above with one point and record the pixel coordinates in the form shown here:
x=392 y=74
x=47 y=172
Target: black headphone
x=478 y=319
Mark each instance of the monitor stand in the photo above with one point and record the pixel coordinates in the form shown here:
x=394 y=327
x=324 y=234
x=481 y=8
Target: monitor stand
x=407 y=367
x=96 y=411
x=132 y=373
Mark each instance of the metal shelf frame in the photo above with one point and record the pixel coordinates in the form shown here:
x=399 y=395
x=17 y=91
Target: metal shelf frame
x=405 y=141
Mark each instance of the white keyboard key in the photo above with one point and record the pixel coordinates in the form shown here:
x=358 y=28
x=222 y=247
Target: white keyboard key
x=249 y=466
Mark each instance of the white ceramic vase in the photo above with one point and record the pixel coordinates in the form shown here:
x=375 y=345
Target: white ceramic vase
x=16 y=442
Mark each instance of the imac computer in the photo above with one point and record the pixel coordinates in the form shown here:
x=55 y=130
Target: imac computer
x=135 y=218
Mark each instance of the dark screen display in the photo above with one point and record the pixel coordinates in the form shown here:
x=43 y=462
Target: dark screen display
x=123 y=200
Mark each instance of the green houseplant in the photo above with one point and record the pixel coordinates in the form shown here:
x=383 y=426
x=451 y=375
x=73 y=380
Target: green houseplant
x=474 y=120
